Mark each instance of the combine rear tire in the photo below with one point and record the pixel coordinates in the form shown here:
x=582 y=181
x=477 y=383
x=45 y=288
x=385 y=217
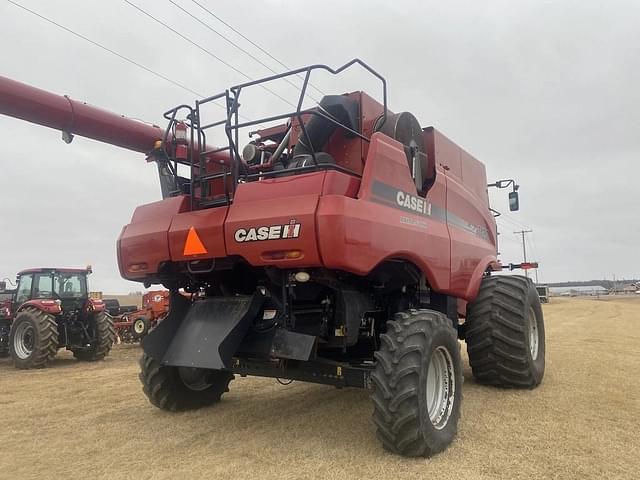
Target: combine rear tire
x=101 y=324
x=33 y=341
x=417 y=384
x=505 y=333
x=180 y=388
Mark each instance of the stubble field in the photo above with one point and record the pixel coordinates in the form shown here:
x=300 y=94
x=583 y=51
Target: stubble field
x=79 y=420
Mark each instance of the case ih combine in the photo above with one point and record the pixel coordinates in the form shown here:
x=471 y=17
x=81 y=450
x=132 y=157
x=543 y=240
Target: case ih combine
x=345 y=245
x=51 y=309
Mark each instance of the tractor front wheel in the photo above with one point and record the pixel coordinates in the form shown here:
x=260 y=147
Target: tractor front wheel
x=33 y=341
x=417 y=384
x=181 y=388
x=104 y=335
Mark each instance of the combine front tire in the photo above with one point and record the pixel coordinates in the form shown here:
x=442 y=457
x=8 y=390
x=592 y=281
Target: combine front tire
x=505 y=333
x=180 y=388
x=101 y=323
x=417 y=384
x=33 y=341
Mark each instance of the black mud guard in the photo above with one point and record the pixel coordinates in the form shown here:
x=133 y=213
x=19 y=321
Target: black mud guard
x=203 y=334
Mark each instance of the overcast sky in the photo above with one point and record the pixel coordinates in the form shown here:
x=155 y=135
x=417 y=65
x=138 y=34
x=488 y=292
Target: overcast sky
x=547 y=92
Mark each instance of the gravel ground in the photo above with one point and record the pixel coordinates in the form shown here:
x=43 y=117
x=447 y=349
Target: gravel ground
x=77 y=420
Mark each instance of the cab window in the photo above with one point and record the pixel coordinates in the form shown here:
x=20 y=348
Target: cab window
x=43 y=286
x=24 y=289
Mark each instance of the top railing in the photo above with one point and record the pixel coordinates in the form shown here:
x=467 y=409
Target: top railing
x=233 y=121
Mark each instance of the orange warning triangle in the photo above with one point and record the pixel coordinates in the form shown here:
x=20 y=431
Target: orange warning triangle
x=193 y=245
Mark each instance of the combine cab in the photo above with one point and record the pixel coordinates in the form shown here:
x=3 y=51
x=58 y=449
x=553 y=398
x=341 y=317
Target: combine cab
x=51 y=309
x=344 y=244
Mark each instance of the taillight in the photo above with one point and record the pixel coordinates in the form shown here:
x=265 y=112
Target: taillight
x=282 y=255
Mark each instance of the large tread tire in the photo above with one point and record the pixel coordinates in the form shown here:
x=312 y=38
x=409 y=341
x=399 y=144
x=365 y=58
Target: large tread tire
x=399 y=381
x=105 y=336
x=43 y=343
x=165 y=388
x=498 y=333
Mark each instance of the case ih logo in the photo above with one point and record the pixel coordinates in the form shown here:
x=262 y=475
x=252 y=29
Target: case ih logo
x=268 y=232
x=410 y=202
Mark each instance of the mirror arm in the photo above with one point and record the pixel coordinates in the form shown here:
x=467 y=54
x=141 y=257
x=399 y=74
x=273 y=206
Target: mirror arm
x=504 y=184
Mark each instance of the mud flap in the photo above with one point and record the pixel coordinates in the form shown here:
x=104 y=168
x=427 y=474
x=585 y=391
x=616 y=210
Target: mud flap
x=202 y=334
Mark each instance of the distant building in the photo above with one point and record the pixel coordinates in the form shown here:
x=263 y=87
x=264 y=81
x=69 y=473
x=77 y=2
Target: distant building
x=578 y=290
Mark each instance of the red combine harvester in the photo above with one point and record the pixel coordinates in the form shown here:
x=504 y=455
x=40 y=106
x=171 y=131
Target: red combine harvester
x=51 y=309
x=134 y=326
x=343 y=245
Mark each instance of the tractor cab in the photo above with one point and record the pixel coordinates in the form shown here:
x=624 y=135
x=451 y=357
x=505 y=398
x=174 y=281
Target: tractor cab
x=66 y=288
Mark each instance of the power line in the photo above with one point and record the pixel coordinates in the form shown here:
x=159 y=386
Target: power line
x=238 y=47
x=107 y=49
x=524 y=247
x=119 y=55
x=515 y=221
x=282 y=64
x=208 y=52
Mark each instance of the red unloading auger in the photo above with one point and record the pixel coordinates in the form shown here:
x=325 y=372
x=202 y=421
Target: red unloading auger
x=73 y=117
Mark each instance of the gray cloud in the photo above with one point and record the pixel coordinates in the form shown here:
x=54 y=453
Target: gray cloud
x=545 y=92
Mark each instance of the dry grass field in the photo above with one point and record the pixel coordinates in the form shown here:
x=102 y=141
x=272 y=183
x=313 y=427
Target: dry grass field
x=91 y=421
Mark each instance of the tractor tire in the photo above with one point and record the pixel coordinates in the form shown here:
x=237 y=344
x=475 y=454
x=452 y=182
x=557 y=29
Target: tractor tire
x=505 y=333
x=105 y=335
x=140 y=327
x=4 y=341
x=417 y=384
x=33 y=340
x=178 y=388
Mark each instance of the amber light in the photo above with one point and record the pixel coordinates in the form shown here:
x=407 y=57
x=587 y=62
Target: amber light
x=138 y=267
x=282 y=255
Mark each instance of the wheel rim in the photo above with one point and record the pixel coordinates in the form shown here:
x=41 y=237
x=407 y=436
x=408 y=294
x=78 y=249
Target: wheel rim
x=23 y=340
x=441 y=387
x=138 y=326
x=533 y=334
x=194 y=378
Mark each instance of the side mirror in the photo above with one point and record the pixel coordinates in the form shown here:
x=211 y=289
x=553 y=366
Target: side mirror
x=514 y=201
x=3 y=286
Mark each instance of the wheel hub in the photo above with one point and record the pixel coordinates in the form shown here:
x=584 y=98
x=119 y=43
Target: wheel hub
x=138 y=326
x=23 y=341
x=441 y=387
x=534 y=339
x=194 y=378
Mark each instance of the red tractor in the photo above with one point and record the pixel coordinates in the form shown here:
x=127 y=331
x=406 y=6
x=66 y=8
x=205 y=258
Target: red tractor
x=344 y=244
x=51 y=309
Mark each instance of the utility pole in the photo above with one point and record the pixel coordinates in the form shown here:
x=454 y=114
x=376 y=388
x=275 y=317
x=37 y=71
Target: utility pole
x=524 y=247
